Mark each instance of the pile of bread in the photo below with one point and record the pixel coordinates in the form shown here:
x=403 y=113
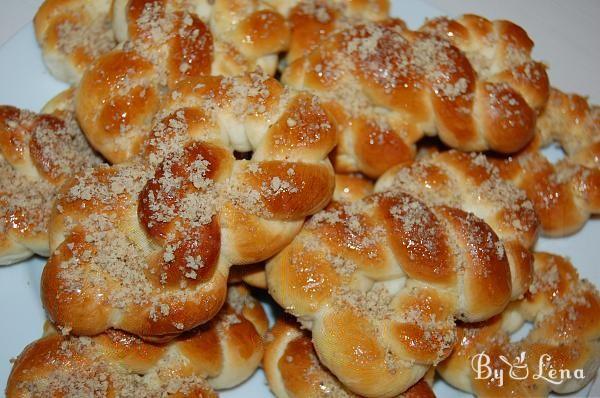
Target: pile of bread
x=211 y=149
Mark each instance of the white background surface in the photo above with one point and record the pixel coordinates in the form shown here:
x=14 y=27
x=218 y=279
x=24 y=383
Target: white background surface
x=566 y=33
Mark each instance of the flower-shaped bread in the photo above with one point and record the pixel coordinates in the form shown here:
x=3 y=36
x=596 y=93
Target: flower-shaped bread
x=146 y=246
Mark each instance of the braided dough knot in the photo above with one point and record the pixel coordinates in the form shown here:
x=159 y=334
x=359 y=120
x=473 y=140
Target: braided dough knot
x=220 y=354
x=72 y=34
x=311 y=21
x=146 y=246
x=390 y=86
x=381 y=281
x=293 y=369
x=38 y=152
x=164 y=42
x=567 y=193
x=564 y=312
x=472 y=183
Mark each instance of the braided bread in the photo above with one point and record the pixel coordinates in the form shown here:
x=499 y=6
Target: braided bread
x=146 y=246
x=348 y=188
x=293 y=369
x=167 y=41
x=72 y=34
x=389 y=86
x=565 y=194
x=564 y=312
x=220 y=354
x=37 y=153
x=380 y=281
x=311 y=21
x=471 y=183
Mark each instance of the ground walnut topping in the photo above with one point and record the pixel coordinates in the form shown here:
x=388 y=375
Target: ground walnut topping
x=114 y=259
x=93 y=375
x=61 y=147
x=492 y=192
x=53 y=148
x=384 y=55
x=93 y=39
x=27 y=204
x=373 y=304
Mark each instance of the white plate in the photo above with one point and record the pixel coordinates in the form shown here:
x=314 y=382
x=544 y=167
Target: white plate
x=26 y=83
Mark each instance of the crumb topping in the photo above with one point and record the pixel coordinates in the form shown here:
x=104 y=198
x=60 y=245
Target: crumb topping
x=93 y=38
x=151 y=227
x=51 y=149
x=479 y=196
x=90 y=374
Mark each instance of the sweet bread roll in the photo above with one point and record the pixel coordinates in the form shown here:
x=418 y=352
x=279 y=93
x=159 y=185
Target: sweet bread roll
x=72 y=34
x=565 y=337
x=167 y=41
x=38 y=152
x=294 y=371
x=146 y=246
x=472 y=183
x=348 y=188
x=389 y=86
x=380 y=282
x=220 y=354
x=311 y=21
x=567 y=193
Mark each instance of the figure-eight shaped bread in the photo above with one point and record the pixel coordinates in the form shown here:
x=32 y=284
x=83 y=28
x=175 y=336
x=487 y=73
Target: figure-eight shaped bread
x=470 y=81
x=146 y=246
x=380 y=282
x=166 y=41
x=565 y=337
x=38 y=152
x=220 y=354
x=567 y=193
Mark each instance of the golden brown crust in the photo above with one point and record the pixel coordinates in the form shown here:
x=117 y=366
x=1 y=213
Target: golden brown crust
x=351 y=187
x=293 y=369
x=390 y=86
x=38 y=152
x=348 y=188
x=472 y=183
x=564 y=313
x=72 y=34
x=567 y=193
x=146 y=246
x=220 y=354
x=381 y=281
x=311 y=21
x=252 y=275
x=163 y=43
